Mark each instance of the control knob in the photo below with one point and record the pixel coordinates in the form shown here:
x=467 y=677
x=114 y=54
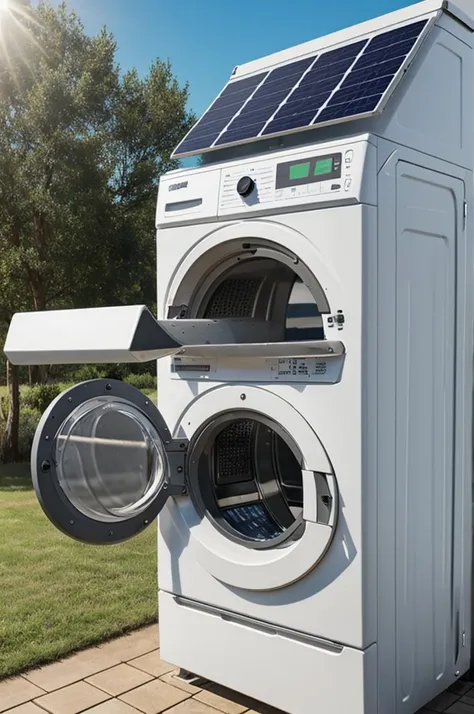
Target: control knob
x=245 y=186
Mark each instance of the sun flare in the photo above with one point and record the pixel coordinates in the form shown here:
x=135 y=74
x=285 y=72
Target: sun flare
x=4 y=5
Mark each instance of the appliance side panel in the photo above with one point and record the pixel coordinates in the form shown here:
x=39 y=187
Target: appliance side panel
x=432 y=108
x=369 y=414
x=425 y=331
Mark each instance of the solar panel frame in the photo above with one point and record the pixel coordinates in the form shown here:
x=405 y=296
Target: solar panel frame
x=373 y=61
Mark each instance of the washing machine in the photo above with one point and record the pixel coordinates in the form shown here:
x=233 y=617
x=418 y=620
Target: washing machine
x=310 y=455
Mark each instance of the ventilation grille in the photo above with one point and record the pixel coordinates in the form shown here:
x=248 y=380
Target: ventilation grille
x=234 y=453
x=235 y=297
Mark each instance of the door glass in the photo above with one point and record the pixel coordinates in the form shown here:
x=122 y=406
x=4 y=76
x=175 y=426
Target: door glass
x=110 y=459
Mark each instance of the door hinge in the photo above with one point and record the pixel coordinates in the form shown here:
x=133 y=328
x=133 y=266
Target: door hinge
x=465 y=212
x=176 y=451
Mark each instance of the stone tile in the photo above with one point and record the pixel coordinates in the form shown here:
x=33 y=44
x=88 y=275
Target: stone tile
x=131 y=646
x=152 y=663
x=237 y=699
x=191 y=706
x=119 y=679
x=460 y=687
x=17 y=691
x=222 y=700
x=73 y=699
x=112 y=706
x=170 y=678
x=154 y=697
x=442 y=702
x=28 y=708
x=70 y=670
x=460 y=708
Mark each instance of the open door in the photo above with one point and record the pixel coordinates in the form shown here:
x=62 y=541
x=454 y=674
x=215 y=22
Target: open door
x=103 y=462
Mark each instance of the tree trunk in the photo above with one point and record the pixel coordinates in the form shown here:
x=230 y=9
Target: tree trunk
x=38 y=373
x=10 y=450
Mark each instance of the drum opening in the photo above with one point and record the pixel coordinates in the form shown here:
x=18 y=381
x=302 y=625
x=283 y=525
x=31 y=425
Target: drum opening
x=255 y=282
x=245 y=475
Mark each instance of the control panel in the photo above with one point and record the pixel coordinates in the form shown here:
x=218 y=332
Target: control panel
x=307 y=177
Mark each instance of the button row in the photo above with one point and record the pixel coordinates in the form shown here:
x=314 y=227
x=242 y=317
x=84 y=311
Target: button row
x=311 y=189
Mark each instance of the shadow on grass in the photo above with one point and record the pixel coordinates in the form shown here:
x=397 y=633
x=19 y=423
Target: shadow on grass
x=15 y=477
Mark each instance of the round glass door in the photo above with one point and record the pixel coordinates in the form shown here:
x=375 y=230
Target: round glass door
x=99 y=461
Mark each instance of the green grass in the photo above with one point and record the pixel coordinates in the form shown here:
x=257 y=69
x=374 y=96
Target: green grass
x=57 y=595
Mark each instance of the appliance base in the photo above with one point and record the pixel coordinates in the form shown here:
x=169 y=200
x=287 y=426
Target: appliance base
x=259 y=662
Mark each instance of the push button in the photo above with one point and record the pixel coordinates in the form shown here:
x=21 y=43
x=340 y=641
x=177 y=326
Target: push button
x=347 y=184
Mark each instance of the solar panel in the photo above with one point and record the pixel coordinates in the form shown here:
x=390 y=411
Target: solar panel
x=344 y=83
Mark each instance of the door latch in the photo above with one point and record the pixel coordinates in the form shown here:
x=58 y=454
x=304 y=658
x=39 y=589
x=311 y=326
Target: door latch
x=176 y=451
x=337 y=320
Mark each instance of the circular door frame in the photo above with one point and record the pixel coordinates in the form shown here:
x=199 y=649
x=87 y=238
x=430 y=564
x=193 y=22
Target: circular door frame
x=230 y=562
x=61 y=512
x=275 y=236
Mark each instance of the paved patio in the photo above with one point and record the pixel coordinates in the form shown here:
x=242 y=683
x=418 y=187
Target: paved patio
x=127 y=676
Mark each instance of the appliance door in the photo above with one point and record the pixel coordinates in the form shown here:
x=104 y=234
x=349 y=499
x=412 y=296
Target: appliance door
x=103 y=462
x=234 y=520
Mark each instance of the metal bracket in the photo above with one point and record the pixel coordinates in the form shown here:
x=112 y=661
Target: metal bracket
x=323 y=349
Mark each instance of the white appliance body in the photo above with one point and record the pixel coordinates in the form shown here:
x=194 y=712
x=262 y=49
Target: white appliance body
x=380 y=419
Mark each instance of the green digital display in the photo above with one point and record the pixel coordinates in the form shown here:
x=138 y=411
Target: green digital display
x=324 y=166
x=299 y=171
x=316 y=169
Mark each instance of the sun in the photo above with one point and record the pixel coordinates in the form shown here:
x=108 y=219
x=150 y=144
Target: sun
x=4 y=5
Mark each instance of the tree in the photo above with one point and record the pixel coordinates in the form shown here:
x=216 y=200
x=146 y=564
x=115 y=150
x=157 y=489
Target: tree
x=81 y=151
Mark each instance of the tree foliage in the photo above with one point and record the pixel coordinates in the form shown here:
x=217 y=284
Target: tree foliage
x=82 y=147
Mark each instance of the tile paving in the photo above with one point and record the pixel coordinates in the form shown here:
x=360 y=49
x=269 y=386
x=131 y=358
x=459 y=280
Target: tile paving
x=128 y=676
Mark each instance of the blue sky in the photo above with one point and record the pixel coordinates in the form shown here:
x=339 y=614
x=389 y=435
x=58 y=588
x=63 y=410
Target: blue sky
x=205 y=39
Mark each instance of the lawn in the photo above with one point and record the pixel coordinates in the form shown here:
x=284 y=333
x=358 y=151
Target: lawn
x=57 y=595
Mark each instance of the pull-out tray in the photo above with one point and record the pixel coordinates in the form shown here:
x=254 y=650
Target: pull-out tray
x=132 y=334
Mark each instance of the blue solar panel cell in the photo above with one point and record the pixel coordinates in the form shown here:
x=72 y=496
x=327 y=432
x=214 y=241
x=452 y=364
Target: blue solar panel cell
x=326 y=72
x=400 y=49
x=356 y=76
x=293 y=68
x=303 y=105
x=240 y=133
x=366 y=89
x=220 y=113
x=287 y=123
x=334 y=85
x=354 y=108
x=401 y=33
x=314 y=88
x=265 y=101
x=341 y=53
x=239 y=85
